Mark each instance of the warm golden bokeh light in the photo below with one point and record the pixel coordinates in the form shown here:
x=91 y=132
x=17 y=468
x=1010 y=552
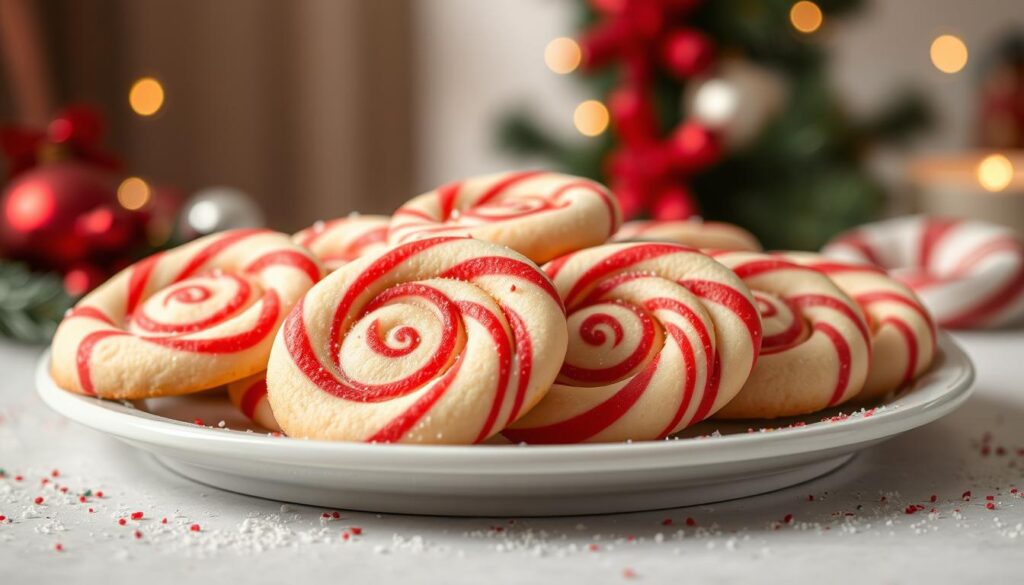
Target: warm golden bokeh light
x=133 y=193
x=949 y=53
x=146 y=96
x=995 y=172
x=562 y=55
x=806 y=16
x=591 y=118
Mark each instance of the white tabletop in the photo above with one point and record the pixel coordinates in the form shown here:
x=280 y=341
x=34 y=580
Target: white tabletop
x=851 y=526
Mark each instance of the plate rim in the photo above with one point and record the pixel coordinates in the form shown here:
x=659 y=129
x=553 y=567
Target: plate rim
x=158 y=433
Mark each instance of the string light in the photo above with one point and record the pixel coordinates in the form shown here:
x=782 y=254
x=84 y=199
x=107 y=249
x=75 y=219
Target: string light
x=591 y=118
x=949 y=53
x=806 y=16
x=133 y=193
x=146 y=96
x=562 y=55
x=995 y=172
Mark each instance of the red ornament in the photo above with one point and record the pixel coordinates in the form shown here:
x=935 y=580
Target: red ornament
x=42 y=208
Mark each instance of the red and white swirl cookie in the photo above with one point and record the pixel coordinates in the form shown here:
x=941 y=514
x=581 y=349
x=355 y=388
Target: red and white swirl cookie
x=714 y=235
x=969 y=274
x=192 y=318
x=660 y=337
x=249 y=395
x=339 y=241
x=902 y=331
x=441 y=340
x=816 y=348
x=538 y=214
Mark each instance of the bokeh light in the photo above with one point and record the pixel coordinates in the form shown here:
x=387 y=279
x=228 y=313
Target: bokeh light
x=146 y=96
x=806 y=16
x=949 y=53
x=591 y=118
x=133 y=193
x=995 y=173
x=562 y=55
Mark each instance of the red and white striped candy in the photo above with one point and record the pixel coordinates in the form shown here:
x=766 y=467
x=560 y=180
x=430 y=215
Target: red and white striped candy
x=816 y=348
x=192 y=318
x=538 y=214
x=970 y=274
x=441 y=340
x=902 y=331
x=660 y=337
x=713 y=235
x=339 y=241
x=249 y=395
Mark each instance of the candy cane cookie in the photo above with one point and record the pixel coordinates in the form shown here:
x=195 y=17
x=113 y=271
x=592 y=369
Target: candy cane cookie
x=538 y=214
x=440 y=340
x=970 y=274
x=249 y=395
x=339 y=241
x=660 y=337
x=192 y=318
x=695 y=233
x=902 y=331
x=816 y=347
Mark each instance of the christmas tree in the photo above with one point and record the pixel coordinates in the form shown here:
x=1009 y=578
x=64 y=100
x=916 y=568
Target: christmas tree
x=721 y=109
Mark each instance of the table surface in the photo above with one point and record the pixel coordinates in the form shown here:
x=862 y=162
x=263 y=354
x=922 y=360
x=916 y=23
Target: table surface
x=859 y=524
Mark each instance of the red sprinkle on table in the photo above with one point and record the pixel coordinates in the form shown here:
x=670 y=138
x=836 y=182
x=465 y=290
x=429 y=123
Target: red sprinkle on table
x=810 y=497
x=788 y=519
x=138 y=534
x=966 y=496
x=81 y=499
x=335 y=515
x=198 y=421
x=345 y=536
x=356 y=530
x=38 y=500
x=990 y=498
x=91 y=510
x=163 y=520
x=2 y=517
x=593 y=547
x=691 y=522
x=990 y=506
x=629 y=573
x=666 y=522
x=18 y=478
x=136 y=515
x=55 y=473
x=934 y=498
x=58 y=547
x=913 y=509
x=194 y=528
x=122 y=521
x=99 y=494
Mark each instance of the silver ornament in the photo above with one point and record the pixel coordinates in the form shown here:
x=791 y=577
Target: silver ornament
x=216 y=209
x=737 y=100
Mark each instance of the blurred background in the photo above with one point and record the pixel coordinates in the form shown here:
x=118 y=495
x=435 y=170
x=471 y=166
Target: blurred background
x=129 y=125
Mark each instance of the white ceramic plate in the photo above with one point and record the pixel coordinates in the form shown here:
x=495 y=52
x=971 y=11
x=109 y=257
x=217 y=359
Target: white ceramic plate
x=508 y=480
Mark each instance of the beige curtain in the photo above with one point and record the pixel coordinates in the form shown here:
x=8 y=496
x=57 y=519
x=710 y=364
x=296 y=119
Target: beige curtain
x=303 y=104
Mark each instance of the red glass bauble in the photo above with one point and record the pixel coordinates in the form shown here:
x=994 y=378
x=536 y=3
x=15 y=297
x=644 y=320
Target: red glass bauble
x=40 y=210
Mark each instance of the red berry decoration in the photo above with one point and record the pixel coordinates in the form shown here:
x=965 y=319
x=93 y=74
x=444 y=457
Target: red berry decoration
x=645 y=37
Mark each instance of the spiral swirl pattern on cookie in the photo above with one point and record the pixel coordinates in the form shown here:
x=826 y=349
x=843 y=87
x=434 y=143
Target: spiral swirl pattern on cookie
x=816 y=346
x=660 y=337
x=538 y=214
x=189 y=319
x=441 y=340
